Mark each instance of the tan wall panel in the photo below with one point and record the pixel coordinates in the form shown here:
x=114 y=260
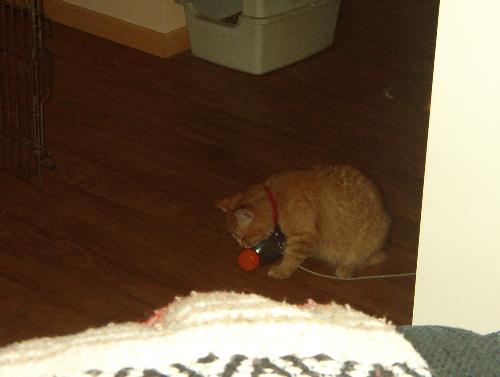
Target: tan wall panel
x=162 y=44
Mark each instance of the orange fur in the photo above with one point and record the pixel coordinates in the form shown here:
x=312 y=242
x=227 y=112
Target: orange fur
x=332 y=213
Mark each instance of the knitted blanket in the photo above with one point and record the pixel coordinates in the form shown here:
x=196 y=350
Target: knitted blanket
x=225 y=334
x=453 y=352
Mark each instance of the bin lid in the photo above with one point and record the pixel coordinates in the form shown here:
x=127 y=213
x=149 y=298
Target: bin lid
x=214 y=9
x=266 y=8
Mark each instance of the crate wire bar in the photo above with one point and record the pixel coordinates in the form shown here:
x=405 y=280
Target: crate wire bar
x=22 y=90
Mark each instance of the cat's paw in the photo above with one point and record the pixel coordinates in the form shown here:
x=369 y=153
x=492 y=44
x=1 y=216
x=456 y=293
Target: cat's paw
x=343 y=272
x=278 y=272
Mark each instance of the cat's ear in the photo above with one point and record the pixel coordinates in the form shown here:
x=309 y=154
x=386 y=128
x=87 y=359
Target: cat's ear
x=244 y=216
x=228 y=204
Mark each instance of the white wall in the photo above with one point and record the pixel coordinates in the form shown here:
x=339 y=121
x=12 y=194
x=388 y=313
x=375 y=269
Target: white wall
x=159 y=15
x=458 y=272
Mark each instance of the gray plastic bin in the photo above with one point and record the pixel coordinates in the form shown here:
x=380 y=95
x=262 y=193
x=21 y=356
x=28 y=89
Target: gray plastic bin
x=258 y=36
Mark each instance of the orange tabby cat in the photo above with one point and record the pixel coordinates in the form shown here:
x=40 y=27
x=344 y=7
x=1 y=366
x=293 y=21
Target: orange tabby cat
x=332 y=213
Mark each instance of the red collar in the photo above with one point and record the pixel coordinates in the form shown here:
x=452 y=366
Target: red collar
x=274 y=206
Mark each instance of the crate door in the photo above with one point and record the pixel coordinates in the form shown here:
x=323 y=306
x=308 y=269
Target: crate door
x=22 y=90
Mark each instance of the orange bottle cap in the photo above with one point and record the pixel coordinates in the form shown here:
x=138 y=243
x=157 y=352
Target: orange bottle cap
x=248 y=260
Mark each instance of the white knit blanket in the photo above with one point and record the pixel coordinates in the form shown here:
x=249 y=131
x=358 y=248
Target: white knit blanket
x=225 y=334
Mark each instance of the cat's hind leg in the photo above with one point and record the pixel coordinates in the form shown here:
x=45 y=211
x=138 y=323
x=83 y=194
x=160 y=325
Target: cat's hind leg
x=376 y=258
x=347 y=270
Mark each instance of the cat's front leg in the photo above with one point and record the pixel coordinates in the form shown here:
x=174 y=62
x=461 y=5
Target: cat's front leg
x=298 y=249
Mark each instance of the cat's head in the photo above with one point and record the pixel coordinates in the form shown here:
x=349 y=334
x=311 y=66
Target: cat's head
x=249 y=216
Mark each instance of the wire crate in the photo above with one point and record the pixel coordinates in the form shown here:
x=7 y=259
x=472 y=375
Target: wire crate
x=23 y=90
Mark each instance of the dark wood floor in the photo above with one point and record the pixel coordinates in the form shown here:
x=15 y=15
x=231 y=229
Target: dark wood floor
x=144 y=146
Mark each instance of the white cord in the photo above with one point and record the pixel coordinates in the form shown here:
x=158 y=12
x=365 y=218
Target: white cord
x=359 y=277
